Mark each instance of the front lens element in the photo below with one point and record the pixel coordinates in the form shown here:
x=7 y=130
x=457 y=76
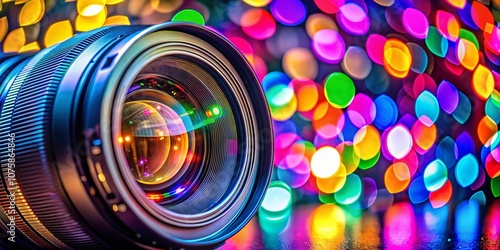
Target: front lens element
x=157 y=134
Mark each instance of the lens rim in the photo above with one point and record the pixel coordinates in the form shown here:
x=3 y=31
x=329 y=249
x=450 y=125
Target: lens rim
x=262 y=159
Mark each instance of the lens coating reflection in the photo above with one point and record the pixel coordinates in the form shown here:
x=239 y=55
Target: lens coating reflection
x=158 y=132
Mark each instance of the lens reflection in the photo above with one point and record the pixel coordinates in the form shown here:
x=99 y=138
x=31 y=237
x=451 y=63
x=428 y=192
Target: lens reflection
x=157 y=135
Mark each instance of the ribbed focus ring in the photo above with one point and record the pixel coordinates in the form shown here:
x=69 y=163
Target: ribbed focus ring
x=31 y=116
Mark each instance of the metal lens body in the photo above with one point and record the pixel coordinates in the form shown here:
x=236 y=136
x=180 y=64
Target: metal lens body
x=134 y=136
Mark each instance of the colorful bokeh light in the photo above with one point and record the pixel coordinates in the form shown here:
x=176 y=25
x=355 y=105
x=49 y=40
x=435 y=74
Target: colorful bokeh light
x=371 y=101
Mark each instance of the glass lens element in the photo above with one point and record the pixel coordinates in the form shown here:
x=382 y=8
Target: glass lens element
x=157 y=136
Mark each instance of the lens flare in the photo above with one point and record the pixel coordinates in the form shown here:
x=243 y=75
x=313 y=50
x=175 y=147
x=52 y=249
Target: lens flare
x=325 y=162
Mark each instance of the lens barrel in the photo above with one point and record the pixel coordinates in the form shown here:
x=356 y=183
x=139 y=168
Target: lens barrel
x=151 y=137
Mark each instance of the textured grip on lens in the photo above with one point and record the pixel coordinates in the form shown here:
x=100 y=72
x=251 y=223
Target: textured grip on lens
x=28 y=109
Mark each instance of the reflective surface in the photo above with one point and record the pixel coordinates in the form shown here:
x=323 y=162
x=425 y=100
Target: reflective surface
x=469 y=225
x=157 y=133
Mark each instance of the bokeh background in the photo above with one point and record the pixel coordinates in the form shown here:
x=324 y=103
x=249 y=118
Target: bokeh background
x=385 y=112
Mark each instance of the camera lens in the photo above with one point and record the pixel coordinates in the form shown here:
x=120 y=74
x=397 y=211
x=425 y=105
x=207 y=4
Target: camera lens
x=133 y=136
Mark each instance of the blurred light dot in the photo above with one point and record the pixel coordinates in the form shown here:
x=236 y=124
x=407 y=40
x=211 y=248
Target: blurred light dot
x=166 y=6
x=367 y=142
x=325 y=162
x=448 y=97
x=328 y=46
x=30 y=47
x=492 y=41
x=423 y=82
x=385 y=3
x=113 y=2
x=307 y=95
x=469 y=36
x=397 y=177
x=415 y=23
x=427 y=108
x=495 y=187
x=481 y=15
x=479 y=197
x=435 y=175
x=86 y=23
x=463 y=110
x=278 y=197
x=282 y=143
x=436 y=43
x=478 y=184
x=356 y=63
x=328 y=121
x=349 y=158
x=467 y=53
x=333 y=183
x=483 y=82
x=460 y=4
x=361 y=111
x=297 y=171
x=419 y=58
x=339 y=90
x=375 y=48
x=447 y=25
x=279 y=95
x=258 y=24
x=492 y=109
x=4 y=27
x=283 y=102
x=14 y=41
x=32 y=12
x=442 y=196
x=411 y=160
x=424 y=136
x=350 y=192
x=397 y=58
x=319 y=21
x=329 y=6
x=492 y=166
x=274 y=78
x=257 y=3
x=89 y=7
x=58 y=32
x=353 y=19
x=190 y=16
x=367 y=164
x=486 y=129
x=116 y=20
x=464 y=145
x=327 y=220
x=300 y=63
x=467 y=170
x=417 y=191
x=399 y=141
x=288 y=12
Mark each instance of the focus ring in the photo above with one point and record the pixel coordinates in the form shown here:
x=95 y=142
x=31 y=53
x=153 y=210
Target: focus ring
x=31 y=231
x=31 y=123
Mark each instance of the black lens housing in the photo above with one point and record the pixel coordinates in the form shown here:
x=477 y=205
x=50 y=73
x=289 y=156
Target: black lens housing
x=62 y=103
